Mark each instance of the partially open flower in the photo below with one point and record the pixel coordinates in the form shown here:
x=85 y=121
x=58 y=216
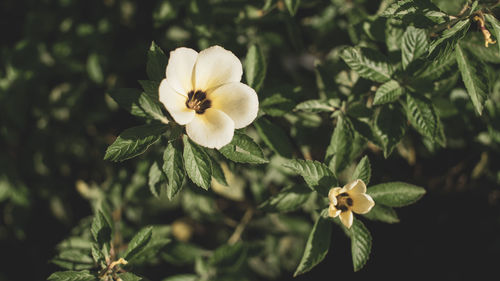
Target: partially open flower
x=350 y=198
x=203 y=91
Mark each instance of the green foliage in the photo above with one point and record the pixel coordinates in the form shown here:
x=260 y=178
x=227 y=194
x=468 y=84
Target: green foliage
x=197 y=163
x=317 y=246
x=243 y=149
x=368 y=63
x=317 y=175
x=156 y=63
x=255 y=67
x=173 y=167
x=361 y=244
x=72 y=276
x=395 y=194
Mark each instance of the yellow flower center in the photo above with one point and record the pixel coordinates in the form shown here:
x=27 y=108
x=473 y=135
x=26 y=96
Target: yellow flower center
x=198 y=101
x=344 y=202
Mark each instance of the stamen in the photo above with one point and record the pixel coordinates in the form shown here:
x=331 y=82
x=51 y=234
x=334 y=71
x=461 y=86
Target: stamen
x=344 y=202
x=198 y=101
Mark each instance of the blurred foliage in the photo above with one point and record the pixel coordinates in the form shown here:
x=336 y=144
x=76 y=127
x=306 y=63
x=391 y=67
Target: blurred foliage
x=426 y=111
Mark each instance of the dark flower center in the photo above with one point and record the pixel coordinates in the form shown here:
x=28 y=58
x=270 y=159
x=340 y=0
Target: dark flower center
x=198 y=101
x=344 y=202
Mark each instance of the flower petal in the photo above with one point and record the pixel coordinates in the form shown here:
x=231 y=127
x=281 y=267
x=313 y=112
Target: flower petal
x=216 y=66
x=237 y=100
x=362 y=203
x=346 y=218
x=332 y=211
x=212 y=129
x=175 y=104
x=357 y=186
x=180 y=69
x=332 y=195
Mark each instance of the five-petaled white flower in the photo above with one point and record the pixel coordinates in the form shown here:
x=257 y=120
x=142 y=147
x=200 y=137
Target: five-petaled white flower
x=350 y=198
x=203 y=91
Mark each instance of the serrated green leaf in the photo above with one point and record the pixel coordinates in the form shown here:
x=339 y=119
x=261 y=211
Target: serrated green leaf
x=73 y=259
x=413 y=45
x=361 y=244
x=101 y=229
x=316 y=174
x=155 y=179
x=217 y=172
x=182 y=277
x=134 y=141
x=475 y=78
x=276 y=105
x=363 y=170
x=98 y=256
x=274 y=137
x=395 y=194
x=72 y=276
x=139 y=103
x=243 y=149
x=446 y=43
x=382 y=213
x=289 y=199
x=255 y=67
x=368 y=63
x=173 y=168
x=390 y=127
x=476 y=48
x=197 y=164
x=317 y=245
x=423 y=117
x=315 y=106
x=433 y=69
x=128 y=276
x=341 y=146
x=138 y=242
x=388 y=92
x=405 y=7
x=292 y=6
x=156 y=63
x=496 y=27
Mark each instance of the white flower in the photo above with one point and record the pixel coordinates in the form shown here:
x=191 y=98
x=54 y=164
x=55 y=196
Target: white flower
x=350 y=198
x=203 y=91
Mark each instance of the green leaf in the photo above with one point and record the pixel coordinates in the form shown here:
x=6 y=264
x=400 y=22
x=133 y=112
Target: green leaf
x=388 y=92
x=217 y=172
x=197 y=164
x=475 y=78
x=341 y=145
x=361 y=244
x=72 y=276
x=496 y=27
x=134 y=141
x=255 y=67
x=365 y=130
x=292 y=6
x=173 y=167
x=390 y=127
x=368 y=63
x=395 y=194
x=98 y=255
x=316 y=174
x=138 y=103
x=155 y=179
x=274 y=137
x=414 y=45
x=317 y=245
x=316 y=106
x=382 y=213
x=151 y=88
x=228 y=257
x=156 y=63
x=94 y=68
x=405 y=7
x=182 y=277
x=128 y=276
x=243 y=149
x=289 y=199
x=475 y=47
x=447 y=42
x=101 y=229
x=180 y=253
x=435 y=68
x=423 y=116
x=138 y=243
x=73 y=259
x=276 y=105
x=363 y=171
